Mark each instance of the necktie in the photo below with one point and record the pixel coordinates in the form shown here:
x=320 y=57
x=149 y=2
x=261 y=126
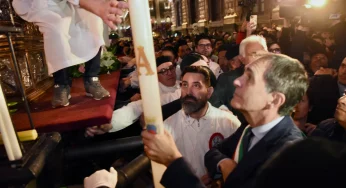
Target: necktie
x=245 y=142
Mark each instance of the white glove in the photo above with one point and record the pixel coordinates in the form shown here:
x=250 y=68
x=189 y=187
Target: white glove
x=102 y=178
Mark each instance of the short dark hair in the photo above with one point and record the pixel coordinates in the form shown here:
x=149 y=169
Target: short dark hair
x=189 y=60
x=223 y=47
x=162 y=59
x=287 y=76
x=200 y=37
x=209 y=77
x=318 y=51
x=232 y=52
x=171 y=49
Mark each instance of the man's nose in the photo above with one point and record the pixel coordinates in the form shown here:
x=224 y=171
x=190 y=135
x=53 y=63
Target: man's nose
x=169 y=71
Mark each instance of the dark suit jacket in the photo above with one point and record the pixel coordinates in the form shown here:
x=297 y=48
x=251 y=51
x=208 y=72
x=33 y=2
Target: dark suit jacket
x=178 y=173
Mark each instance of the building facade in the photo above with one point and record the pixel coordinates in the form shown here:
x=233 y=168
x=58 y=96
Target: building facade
x=192 y=16
x=197 y=16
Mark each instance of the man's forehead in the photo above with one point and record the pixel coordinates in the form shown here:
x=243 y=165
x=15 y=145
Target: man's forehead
x=254 y=46
x=192 y=77
x=167 y=51
x=164 y=65
x=204 y=41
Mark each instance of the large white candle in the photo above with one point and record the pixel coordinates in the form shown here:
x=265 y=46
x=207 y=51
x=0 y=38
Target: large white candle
x=146 y=67
x=7 y=131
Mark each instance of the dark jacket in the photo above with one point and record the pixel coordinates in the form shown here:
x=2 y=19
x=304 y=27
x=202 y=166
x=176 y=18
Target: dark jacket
x=323 y=98
x=224 y=90
x=178 y=174
x=331 y=130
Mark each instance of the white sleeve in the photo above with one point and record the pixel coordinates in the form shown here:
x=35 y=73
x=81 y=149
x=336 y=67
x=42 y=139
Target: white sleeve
x=169 y=97
x=74 y=2
x=24 y=7
x=126 y=115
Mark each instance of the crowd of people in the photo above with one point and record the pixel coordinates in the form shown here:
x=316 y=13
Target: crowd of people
x=258 y=107
x=236 y=106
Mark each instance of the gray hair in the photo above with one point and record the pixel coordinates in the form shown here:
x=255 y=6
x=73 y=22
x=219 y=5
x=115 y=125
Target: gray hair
x=287 y=76
x=252 y=39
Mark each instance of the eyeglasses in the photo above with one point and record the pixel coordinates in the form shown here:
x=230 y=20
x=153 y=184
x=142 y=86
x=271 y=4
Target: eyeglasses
x=164 y=71
x=275 y=50
x=204 y=45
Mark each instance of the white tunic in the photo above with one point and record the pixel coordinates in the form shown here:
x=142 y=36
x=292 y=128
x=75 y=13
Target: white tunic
x=71 y=34
x=194 y=137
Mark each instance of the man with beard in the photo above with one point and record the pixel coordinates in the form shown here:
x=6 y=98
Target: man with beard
x=205 y=47
x=266 y=97
x=199 y=126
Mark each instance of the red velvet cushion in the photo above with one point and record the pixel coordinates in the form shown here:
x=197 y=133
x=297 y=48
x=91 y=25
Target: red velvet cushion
x=82 y=112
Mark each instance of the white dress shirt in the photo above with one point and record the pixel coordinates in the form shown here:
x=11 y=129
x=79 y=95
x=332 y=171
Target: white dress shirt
x=260 y=131
x=195 y=137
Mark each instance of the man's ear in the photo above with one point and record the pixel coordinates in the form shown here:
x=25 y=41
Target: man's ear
x=210 y=91
x=278 y=99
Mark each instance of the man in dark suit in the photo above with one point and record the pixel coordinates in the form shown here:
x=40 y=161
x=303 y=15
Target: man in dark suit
x=266 y=94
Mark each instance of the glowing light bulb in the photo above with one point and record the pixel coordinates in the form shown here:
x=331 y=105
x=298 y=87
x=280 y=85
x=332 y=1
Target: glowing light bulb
x=317 y=3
